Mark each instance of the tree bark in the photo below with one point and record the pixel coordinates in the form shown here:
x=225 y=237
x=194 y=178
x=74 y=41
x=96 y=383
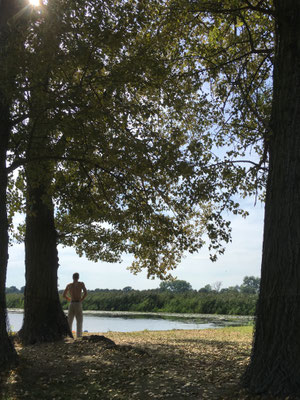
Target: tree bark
x=8 y=355
x=275 y=363
x=44 y=319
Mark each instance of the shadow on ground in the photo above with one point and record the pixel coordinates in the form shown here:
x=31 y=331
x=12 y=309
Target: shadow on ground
x=142 y=365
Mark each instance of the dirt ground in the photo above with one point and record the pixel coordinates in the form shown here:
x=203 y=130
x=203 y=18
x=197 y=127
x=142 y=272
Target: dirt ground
x=178 y=364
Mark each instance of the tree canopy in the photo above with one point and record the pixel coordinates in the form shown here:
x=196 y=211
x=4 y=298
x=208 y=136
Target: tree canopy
x=250 y=284
x=146 y=127
x=103 y=124
x=176 y=286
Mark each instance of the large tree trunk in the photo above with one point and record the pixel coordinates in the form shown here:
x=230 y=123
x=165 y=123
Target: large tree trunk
x=44 y=319
x=275 y=361
x=8 y=355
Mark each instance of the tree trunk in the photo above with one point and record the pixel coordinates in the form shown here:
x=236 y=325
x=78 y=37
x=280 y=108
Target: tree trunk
x=44 y=319
x=8 y=354
x=275 y=362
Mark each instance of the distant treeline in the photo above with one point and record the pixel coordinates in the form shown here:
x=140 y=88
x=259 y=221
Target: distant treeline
x=178 y=298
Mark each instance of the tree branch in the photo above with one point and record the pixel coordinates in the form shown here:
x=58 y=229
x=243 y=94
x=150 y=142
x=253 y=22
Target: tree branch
x=217 y=8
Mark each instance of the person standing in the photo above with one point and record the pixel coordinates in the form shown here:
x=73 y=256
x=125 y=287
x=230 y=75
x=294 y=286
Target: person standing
x=75 y=292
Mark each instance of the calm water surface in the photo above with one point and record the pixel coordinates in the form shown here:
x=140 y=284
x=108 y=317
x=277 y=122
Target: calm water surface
x=126 y=323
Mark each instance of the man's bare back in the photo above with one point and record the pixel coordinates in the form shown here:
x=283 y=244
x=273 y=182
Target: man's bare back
x=75 y=289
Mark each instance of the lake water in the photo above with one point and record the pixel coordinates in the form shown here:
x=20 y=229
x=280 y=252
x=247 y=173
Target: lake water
x=131 y=322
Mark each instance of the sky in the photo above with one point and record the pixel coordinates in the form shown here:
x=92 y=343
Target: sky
x=242 y=258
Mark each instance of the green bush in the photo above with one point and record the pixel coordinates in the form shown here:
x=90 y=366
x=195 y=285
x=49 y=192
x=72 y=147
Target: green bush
x=226 y=302
x=15 y=300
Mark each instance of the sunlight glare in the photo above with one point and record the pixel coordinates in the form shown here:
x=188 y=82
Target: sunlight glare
x=34 y=3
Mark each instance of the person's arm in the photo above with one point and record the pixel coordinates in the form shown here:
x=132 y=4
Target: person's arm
x=84 y=292
x=65 y=293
